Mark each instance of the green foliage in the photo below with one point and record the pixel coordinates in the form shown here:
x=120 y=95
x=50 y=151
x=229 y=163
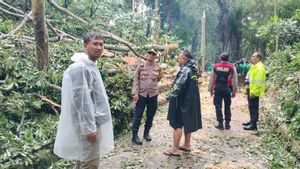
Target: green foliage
x=172 y=63
x=6 y=25
x=276 y=154
x=287 y=32
x=285 y=74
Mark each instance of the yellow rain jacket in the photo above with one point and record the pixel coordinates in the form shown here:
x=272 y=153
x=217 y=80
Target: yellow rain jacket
x=257 y=79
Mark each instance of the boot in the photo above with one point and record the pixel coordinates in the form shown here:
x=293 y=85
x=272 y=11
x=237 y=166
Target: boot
x=219 y=126
x=147 y=137
x=135 y=139
x=227 y=125
x=252 y=126
x=246 y=123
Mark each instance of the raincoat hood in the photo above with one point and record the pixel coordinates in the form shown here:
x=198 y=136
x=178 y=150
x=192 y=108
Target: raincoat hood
x=82 y=57
x=191 y=64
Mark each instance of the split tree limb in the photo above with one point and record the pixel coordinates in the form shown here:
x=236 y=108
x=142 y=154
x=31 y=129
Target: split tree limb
x=51 y=27
x=53 y=86
x=27 y=17
x=60 y=33
x=51 y=102
x=11 y=13
x=107 y=34
x=8 y=88
x=64 y=10
x=11 y=7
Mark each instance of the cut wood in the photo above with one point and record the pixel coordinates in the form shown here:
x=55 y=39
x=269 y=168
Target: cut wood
x=51 y=102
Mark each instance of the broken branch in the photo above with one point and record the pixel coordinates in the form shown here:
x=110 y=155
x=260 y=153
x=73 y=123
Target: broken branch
x=11 y=13
x=51 y=102
x=11 y=7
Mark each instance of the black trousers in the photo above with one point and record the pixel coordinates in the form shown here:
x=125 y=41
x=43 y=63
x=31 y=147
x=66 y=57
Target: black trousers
x=220 y=95
x=254 y=109
x=151 y=103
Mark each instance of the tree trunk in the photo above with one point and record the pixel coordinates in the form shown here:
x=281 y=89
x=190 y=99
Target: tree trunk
x=277 y=36
x=149 y=29
x=223 y=26
x=41 y=33
x=157 y=22
x=203 y=41
x=133 y=7
x=169 y=13
x=195 y=40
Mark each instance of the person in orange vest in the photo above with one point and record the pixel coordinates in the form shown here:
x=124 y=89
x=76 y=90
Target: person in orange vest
x=257 y=80
x=223 y=84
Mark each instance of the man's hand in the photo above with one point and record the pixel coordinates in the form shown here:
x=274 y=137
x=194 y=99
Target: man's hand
x=233 y=95
x=92 y=137
x=135 y=98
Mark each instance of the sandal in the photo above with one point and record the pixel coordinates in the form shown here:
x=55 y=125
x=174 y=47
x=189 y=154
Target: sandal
x=184 y=149
x=170 y=153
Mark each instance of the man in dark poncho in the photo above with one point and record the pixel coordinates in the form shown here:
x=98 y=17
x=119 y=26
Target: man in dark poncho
x=184 y=106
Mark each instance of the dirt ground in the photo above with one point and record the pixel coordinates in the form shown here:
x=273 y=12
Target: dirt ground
x=211 y=148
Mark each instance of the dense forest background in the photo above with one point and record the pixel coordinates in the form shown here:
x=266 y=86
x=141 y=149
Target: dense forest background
x=31 y=67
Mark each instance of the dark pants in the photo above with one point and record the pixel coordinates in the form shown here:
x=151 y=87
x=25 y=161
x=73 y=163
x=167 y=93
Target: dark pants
x=151 y=103
x=220 y=95
x=253 y=108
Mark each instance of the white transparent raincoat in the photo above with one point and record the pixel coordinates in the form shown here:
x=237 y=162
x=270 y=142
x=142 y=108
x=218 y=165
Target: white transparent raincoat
x=85 y=109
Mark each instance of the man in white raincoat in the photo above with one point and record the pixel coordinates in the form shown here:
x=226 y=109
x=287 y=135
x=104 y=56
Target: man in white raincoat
x=85 y=128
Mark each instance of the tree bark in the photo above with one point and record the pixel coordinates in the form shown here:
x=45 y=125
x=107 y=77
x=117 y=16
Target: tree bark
x=169 y=12
x=41 y=33
x=157 y=21
x=203 y=41
x=223 y=26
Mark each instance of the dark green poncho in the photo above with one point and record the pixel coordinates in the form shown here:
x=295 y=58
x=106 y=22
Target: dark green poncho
x=184 y=99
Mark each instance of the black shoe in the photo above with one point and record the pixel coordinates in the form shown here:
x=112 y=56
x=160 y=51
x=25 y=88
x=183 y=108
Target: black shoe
x=227 y=125
x=147 y=137
x=135 y=139
x=251 y=127
x=246 y=123
x=219 y=126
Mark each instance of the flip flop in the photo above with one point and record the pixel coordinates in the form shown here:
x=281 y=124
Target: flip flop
x=169 y=153
x=184 y=149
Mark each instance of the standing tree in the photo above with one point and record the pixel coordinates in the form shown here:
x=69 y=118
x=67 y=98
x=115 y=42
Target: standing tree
x=202 y=48
x=41 y=33
x=157 y=22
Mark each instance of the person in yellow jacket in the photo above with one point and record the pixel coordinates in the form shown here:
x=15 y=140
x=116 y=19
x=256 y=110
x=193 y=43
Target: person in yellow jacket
x=257 y=80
